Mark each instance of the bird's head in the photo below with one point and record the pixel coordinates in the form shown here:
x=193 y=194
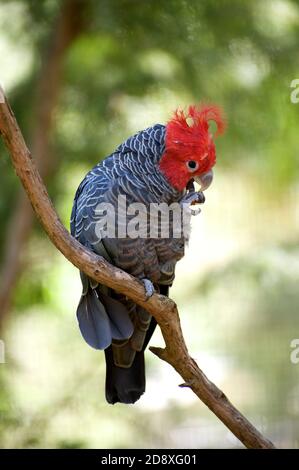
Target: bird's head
x=189 y=147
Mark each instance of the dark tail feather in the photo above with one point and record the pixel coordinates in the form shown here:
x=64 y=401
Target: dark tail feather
x=124 y=385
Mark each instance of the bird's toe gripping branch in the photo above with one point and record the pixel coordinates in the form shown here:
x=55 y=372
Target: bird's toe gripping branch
x=149 y=288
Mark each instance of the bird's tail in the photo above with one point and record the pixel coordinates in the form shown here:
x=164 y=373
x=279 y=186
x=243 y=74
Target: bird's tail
x=127 y=384
x=124 y=385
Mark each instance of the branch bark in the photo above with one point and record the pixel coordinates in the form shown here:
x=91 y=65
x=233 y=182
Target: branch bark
x=162 y=308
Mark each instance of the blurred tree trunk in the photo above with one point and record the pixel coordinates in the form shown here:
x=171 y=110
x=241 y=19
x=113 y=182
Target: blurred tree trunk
x=69 y=24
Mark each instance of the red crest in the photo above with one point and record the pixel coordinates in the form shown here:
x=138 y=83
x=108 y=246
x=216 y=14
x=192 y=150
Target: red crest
x=188 y=138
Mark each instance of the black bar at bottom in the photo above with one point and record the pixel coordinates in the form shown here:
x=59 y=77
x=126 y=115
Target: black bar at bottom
x=131 y=458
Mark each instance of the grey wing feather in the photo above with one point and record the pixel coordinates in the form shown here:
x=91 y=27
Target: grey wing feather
x=93 y=321
x=131 y=169
x=102 y=318
x=121 y=325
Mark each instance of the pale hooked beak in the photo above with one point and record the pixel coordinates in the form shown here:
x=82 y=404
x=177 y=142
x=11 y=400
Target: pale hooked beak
x=204 y=180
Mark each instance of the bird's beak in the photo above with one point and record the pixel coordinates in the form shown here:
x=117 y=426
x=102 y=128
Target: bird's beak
x=204 y=180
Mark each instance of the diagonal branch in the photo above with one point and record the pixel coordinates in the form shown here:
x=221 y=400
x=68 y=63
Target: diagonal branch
x=162 y=308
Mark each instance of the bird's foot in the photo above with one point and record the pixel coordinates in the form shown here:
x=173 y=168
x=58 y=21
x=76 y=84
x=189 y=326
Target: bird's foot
x=149 y=288
x=193 y=197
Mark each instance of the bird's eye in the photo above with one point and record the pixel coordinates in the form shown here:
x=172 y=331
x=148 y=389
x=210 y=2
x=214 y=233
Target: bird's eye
x=192 y=165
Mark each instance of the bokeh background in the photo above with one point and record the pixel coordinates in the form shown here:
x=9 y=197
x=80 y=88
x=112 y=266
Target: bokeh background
x=84 y=75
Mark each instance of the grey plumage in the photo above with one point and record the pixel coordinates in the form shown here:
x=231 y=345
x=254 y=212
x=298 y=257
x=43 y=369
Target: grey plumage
x=107 y=319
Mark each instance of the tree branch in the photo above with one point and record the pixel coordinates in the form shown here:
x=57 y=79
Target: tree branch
x=162 y=308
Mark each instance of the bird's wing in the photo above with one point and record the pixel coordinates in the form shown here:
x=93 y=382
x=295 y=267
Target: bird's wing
x=105 y=316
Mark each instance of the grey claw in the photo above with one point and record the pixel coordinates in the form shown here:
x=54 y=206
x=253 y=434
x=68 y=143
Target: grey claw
x=193 y=197
x=195 y=211
x=149 y=288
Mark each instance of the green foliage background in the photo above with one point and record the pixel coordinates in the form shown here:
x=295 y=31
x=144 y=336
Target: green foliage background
x=238 y=287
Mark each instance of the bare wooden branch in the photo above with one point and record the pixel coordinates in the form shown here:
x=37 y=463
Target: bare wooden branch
x=162 y=308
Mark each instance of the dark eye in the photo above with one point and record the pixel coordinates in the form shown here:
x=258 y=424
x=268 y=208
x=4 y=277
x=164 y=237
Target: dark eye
x=192 y=165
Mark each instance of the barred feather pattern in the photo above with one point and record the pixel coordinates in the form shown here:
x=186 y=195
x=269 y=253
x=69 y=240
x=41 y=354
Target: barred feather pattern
x=132 y=170
x=133 y=167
